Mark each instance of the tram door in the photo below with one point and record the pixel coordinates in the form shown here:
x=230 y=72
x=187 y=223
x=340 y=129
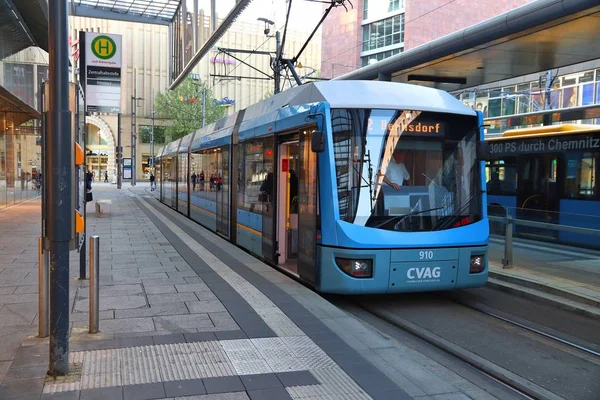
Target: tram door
x=307 y=208
x=287 y=204
x=537 y=194
x=297 y=205
x=221 y=185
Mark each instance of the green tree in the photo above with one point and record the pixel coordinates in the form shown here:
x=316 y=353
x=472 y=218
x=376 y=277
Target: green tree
x=183 y=107
x=159 y=134
x=268 y=94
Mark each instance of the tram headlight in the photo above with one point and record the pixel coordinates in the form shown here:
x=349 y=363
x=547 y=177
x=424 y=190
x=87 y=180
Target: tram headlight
x=477 y=264
x=355 y=267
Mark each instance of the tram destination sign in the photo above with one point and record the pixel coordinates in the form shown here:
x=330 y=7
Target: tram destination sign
x=101 y=71
x=553 y=144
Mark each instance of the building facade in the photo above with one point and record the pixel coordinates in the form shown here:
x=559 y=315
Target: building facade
x=20 y=148
x=237 y=85
x=145 y=71
x=377 y=29
x=573 y=86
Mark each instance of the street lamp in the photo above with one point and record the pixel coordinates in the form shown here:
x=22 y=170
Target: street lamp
x=277 y=63
x=134 y=106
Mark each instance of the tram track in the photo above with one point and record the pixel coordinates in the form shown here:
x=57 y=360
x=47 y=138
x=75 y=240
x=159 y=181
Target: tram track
x=532 y=385
x=537 y=331
x=505 y=378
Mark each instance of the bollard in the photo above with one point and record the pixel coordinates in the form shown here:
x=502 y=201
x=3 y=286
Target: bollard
x=94 y=283
x=44 y=290
x=507 y=261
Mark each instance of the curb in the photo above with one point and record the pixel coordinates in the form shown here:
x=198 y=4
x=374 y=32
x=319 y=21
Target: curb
x=522 y=281
x=501 y=374
x=554 y=300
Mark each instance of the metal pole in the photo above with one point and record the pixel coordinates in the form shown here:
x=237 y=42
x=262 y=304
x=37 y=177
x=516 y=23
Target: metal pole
x=547 y=118
x=43 y=131
x=195 y=27
x=507 y=261
x=60 y=161
x=184 y=31
x=44 y=282
x=203 y=106
x=152 y=144
x=82 y=254
x=94 y=283
x=119 y=152
x=213 y=15
x=133 y=128
x=277 y=71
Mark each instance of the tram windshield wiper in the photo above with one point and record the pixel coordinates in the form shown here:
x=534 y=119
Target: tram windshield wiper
x=457 y=214
x=401 y=217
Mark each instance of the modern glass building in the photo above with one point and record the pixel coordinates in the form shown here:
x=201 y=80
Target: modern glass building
x=22 y=42
x=577 y=86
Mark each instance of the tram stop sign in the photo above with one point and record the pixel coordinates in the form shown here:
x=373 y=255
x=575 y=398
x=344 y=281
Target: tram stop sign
x=102 y=71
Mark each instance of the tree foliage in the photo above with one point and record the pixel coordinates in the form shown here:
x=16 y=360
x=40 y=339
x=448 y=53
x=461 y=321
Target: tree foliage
x=183 y=108
x=146 y=134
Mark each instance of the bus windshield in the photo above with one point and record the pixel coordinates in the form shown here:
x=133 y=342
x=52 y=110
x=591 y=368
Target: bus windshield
x=406 y=170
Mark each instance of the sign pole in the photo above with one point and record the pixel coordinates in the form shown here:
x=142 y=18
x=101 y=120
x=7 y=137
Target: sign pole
x=60 y=170
x=119 y=153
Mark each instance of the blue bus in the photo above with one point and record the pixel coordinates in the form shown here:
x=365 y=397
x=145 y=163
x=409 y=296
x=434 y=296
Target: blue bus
x=547 y=174
x=351 y=186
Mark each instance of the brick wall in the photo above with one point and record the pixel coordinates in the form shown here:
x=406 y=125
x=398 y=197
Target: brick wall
x=427 y=20
x=342 y=39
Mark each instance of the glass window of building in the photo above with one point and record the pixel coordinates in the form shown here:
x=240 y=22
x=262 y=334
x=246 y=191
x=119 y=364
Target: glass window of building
x=386 y=32
x=18 y=79
x=379 y=56
x=379 y=8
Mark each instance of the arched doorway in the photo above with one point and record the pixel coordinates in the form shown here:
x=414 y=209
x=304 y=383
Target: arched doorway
x=100 y=149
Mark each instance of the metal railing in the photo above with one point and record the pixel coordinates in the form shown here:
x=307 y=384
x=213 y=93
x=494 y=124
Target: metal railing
x=507 y=261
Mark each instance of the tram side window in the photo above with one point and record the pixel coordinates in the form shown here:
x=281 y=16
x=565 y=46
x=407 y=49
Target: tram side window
x=208 y=174
x=581 y=177
x=197 y=170
x=501 y=176
x=256 y=181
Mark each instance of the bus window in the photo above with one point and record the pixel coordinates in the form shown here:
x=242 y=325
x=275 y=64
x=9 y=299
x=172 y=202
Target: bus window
x=581 y=175
x=501 y=176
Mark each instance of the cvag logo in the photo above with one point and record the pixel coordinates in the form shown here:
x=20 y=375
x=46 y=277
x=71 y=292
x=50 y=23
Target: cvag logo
x=423 y=273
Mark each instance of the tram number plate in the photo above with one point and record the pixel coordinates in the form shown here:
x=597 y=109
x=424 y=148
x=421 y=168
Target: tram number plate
x=426 y=255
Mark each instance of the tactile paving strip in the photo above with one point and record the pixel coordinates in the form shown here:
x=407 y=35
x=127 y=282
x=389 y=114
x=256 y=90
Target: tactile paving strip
x=140 y=365
x=196 y=360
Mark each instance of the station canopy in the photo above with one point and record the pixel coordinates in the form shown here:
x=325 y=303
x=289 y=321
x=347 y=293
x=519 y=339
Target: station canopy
x=145 y=11
x=23 y=23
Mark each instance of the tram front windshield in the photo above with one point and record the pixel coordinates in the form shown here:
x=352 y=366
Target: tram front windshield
x=405 y=170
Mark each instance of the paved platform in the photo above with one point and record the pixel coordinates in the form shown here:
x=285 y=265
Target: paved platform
x=185 y=313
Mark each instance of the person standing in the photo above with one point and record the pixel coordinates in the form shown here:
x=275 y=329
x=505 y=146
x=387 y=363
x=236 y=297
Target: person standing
x=152 y=182
x=89 y=177
x=105 y=176
x=194 y=181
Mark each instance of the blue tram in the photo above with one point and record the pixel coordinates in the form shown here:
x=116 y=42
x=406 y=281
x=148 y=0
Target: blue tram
x=352 y=186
